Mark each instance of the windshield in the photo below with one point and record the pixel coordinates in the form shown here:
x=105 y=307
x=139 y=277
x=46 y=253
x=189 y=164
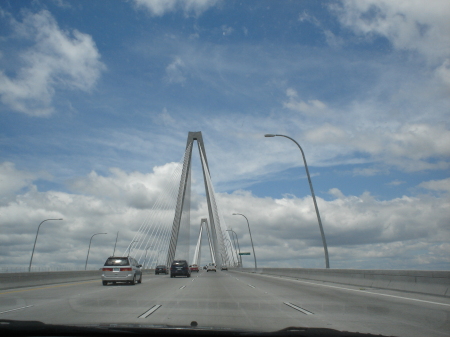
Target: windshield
x=257 y=164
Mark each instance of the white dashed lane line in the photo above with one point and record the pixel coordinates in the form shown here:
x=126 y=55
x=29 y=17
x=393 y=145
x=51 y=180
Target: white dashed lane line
x=293 y=306
x=150 y=311
x=21 y=308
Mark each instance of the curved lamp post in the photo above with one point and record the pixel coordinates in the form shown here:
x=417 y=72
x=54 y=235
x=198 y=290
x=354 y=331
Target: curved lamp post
x=250 y=236
x=129 y=248
x=239 y=248
x=327 y=262
x=87 y=257
x=32 y=253
x=117 y=236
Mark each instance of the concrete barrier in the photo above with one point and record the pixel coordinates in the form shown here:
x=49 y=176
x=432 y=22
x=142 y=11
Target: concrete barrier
x=417 y=281
x=20 y=280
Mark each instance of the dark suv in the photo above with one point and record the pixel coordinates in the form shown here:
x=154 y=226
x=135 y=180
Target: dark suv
x=180 y=268
x=161 y=270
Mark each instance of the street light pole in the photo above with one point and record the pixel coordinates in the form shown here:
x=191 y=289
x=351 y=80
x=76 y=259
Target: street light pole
x=32 y=253
x=87 y=257
x=327 y=262
x=250 y=237
x=129 y=248
x=117 y=236
x=239 y=248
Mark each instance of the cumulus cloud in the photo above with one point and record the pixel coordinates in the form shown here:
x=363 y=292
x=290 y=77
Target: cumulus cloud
x=409 y=25
x=361 y=231
x=399 y=147
x=119 y=202
x=55 y=58
x=13 y=180
x=133 y=189
x=437 y=185
x=310 y=107
x=161 y=7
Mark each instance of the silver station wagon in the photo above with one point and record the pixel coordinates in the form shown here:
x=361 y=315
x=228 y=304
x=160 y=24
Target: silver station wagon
x=121 y=269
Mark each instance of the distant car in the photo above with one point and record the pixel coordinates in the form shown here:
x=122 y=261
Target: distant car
x=194 y=267
x=180 y=268
x=161 y=270
x=211 y=267
x=205 y=267
x=224 y=268
x=121 y=269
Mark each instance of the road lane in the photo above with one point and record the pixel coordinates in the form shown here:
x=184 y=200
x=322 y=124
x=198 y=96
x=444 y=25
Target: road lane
x=230 y=299
x=355 y=309
x=216 y=299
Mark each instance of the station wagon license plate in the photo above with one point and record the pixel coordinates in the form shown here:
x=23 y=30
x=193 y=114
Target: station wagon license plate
x=116 y=269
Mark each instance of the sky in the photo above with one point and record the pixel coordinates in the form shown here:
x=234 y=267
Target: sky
x=97 y=99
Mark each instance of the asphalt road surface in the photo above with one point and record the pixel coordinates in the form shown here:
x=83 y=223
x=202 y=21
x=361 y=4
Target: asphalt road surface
x=232 y=299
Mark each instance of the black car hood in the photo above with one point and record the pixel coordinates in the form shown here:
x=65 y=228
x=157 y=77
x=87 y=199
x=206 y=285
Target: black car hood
x=37 y=328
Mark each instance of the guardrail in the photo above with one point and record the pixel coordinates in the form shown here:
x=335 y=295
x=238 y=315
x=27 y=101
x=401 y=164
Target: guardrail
x=20 y=280
x=417 y=281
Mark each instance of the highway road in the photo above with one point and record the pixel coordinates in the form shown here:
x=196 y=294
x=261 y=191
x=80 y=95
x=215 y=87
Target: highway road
x=232 y=299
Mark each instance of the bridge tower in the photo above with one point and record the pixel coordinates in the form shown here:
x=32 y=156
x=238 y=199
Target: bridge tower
x=214 y=229
x=198 y=248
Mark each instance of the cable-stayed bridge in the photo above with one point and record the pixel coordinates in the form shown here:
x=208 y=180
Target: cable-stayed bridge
x=297 y=300
x=165 y=234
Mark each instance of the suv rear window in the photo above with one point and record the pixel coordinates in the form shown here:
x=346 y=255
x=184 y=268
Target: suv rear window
x=179 y=263
x=117 y=261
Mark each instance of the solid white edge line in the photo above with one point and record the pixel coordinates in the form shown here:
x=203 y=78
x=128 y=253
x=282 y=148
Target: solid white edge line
x=372 y=293
x=358 y=290
x=28 y=306
x=293 y=306
x=150 y=311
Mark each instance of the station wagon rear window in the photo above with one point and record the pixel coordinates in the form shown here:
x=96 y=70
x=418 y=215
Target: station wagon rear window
x=116 y=262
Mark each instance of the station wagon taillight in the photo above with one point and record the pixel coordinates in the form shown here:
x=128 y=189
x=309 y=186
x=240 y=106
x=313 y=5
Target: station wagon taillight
x=126 y=269
x=107 y=269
